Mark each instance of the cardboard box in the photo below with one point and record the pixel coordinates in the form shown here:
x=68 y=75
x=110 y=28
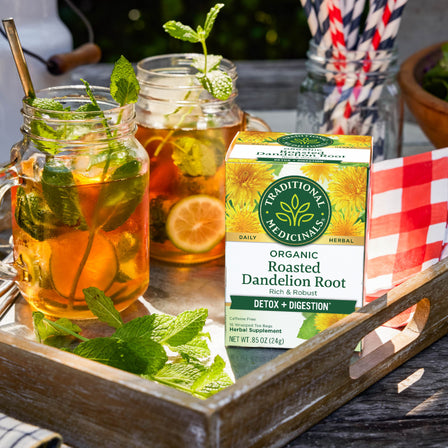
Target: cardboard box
x=296 y=211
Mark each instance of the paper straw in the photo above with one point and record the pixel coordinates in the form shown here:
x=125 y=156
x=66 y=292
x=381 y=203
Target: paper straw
x=352 y=29
x=311 y=16
x=324 y=22
x=370 y=42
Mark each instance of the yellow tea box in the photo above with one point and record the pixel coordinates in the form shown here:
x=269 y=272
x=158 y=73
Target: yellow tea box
x=296 y=208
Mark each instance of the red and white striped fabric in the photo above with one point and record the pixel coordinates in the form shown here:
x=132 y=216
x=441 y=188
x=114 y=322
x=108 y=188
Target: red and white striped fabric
x=407 y=229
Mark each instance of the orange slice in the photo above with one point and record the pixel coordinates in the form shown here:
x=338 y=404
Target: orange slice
x=197 y=223
x=68 y=250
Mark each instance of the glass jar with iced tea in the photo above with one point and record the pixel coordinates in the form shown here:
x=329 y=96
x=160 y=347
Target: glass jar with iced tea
x=79 y=187
x=186 y=132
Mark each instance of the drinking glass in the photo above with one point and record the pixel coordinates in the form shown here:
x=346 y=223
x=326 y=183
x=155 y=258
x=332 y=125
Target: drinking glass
x=186 y=132
x=79 y=191
x=354 y=93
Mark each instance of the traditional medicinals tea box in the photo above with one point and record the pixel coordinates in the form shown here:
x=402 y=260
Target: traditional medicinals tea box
x=295 y=234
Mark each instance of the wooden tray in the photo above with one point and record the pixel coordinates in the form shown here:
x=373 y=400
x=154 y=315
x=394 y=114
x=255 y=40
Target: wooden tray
x=94 y=405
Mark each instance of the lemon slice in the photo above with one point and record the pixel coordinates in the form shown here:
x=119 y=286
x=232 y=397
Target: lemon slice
x=68 y=250
x=197 y=223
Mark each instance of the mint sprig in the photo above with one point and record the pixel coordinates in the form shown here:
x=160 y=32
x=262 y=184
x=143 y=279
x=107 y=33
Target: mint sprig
x=141 y=346
x=215 y=81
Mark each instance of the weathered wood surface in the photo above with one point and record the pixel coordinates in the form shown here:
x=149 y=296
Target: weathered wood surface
x=278 y=402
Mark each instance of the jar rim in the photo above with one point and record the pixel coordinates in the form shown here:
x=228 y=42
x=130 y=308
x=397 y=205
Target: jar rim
x=160 y=64
x=76 y=93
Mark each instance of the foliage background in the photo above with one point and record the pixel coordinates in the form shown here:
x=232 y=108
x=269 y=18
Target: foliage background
x=244 y=29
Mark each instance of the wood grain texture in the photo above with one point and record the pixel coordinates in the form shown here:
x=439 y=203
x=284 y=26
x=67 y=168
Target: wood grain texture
x=267 y=407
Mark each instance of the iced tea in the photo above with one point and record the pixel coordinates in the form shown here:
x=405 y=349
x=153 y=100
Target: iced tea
x=188 y=166
x=96 y=245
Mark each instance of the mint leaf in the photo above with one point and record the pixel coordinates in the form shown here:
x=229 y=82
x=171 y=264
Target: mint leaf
x=112 y=352
x=88 y=107
x=124 y=86
x=48 y=104
x=195 y=350
x=58 y=186
x=33 y=215
x=180 y=31
x=57 y=334
x=154 y=326
x=194 y=378
x=211 y=17
x=215 y=83
x=102 y=307
x=198 y=157
x=185 y=327
x=218 y=83
x=212 y=380
x=122 y=195
x=148 y=350
x=180 y=375
x=201 y=63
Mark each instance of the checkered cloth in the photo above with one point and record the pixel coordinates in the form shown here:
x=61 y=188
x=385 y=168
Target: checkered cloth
x=407 y=231
x=15 y=434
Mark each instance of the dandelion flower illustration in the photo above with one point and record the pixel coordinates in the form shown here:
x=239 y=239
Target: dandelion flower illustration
x=323 y=320
x=242 y=221
x=345 y=224
x=319 y=172
x=348 y=188
x=246 y=181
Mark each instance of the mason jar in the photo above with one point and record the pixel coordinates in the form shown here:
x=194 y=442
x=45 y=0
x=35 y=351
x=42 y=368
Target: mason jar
x=79 y=187
x=186 y=132
x=354 y=93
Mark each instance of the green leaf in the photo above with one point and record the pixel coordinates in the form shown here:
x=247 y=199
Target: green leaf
x=199 y=61
x=218 y=83
x=154 y=326
x=33 y=215
x=122 y=195
x=57 y=334
x=180 y=31
x=211 y=17
x=195 y=350
x=102 y=307
x=308 y=328
x=180 y=375
x=113 y=352
x=210 y=374
x=195 y=378
x=124 y=86
x=48 y=104
x=212 y=380
x=58 y=186
x=185 y=327
x=198 y=157
x=88 y=107
x=150 y=351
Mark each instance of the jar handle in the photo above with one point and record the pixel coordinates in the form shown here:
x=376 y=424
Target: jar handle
x=252 y=123
x=8 y=179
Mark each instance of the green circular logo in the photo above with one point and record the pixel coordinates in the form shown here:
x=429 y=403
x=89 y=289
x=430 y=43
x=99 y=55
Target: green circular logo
x=294 y=210
x=305 y=140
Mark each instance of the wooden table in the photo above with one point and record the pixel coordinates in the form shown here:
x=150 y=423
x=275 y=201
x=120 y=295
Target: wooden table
x=408 y=407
